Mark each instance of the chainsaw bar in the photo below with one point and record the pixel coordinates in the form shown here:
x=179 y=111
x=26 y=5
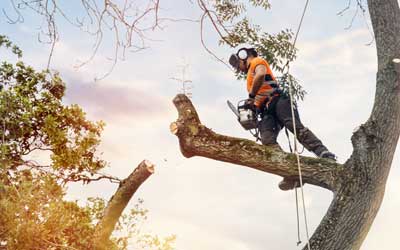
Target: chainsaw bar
x=233 y=108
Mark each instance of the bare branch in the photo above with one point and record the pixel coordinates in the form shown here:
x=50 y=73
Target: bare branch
x=359 y=6
x=352 y=20
x=207 y=12
x=204 y=44
x=340 y=13
x=19 y=18
x=122 y=18
x=66 y=176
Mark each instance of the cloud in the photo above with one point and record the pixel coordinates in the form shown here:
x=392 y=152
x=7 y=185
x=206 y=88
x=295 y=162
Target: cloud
x=108 y=101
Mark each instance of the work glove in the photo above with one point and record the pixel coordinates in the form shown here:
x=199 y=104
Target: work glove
x=249 y=104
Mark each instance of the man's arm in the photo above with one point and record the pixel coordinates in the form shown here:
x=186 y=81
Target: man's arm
x=259 y=77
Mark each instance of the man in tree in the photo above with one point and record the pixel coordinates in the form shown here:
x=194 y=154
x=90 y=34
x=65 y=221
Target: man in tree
x=274 y=107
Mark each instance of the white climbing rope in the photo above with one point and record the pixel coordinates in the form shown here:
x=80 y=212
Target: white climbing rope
x=295 y=139
x=299 y=168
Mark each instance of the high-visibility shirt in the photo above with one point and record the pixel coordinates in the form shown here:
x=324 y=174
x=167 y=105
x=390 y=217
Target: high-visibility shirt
x=265 y=89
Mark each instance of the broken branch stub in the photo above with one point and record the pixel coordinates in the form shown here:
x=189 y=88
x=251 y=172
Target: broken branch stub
x=119 y=201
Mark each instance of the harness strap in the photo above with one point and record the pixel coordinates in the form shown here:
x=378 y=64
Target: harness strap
x=269 y=97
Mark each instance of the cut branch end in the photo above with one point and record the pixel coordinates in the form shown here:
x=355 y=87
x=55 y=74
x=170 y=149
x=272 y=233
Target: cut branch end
x=149 y=165
x=173 y=127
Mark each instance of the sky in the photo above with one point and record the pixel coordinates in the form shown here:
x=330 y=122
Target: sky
x=210 y=204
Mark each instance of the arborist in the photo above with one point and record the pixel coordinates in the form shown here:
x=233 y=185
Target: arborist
x=274 y=107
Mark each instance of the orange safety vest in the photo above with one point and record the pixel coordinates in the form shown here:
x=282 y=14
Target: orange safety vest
x=265 y=89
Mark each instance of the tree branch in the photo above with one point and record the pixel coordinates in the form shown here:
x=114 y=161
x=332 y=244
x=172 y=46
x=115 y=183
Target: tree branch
x=197 y=140
x=119 y=201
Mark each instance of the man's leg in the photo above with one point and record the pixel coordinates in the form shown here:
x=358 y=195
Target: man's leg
x=304 y=135
x=269 y=129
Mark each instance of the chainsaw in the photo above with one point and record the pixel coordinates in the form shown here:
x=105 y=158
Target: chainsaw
x=246 y=116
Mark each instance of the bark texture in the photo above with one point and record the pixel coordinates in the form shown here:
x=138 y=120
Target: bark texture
x=118 y=202
x=359 y=184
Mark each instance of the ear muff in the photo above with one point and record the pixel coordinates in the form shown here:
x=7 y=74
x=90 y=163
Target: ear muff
x=242 y=54
x=234 y=61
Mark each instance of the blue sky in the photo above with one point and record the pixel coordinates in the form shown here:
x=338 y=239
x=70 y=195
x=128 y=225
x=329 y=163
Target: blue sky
x=209 y=204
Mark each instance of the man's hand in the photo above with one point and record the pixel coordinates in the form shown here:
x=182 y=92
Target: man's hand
x=249 y=103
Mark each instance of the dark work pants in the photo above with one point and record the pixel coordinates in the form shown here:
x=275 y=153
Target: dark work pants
x=280 y=115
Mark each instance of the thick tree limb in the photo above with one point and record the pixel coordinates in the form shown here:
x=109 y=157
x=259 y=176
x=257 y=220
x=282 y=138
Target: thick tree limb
x=197 y=140
x=119 y=201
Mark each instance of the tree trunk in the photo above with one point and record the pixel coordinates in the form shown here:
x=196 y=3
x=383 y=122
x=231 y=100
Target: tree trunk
x=118 y=202
x=359 y=184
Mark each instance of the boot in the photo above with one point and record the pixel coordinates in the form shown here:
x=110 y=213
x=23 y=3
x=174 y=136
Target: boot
x=288 y=184
x=327 y=155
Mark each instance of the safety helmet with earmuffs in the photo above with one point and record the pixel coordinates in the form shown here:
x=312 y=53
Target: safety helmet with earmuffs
x=241 y=55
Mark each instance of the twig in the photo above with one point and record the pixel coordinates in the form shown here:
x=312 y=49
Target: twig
x=205 y=46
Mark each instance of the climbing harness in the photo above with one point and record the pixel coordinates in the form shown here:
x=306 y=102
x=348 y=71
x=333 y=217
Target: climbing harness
x=287 y=66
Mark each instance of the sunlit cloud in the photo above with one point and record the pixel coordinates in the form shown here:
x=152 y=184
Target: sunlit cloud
x=109 y=102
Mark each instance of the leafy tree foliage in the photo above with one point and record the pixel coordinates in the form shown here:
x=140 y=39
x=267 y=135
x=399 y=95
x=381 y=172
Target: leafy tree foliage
x=36 y=124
